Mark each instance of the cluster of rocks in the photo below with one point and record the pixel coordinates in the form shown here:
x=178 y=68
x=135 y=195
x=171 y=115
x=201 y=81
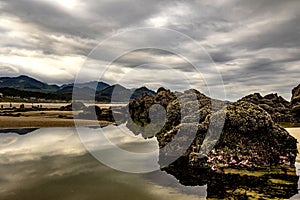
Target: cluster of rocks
x=243 y=134
x=276 y=106
x=240 y=135
x=94 y=112
x=280 y=109
x=248 y=138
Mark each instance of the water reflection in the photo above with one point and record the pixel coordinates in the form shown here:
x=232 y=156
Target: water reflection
x=52 y=164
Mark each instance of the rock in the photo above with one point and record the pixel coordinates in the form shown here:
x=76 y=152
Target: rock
x=280 y=109
x=250 y=145
x=249 y=139
x=73 y=106
x=295 y=103
x=106 y=115
x=276 y=106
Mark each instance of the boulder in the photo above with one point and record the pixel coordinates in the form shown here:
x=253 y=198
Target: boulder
x=276 y=106
x=295 y=103
x=249 y=138
x=76 y=106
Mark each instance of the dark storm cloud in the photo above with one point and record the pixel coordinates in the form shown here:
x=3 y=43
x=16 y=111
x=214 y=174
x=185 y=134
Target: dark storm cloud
x=284 y=34
x=145 y=58
x=97 y=20
x=254 y=44
x=221 y=56
x=50 y=17
x=124 y=13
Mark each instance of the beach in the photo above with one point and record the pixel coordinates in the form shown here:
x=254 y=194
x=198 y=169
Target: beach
x=47 y=115
x=295 y=132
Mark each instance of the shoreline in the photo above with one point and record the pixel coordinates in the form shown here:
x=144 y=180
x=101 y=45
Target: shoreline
x=47 y=119
x=50 y=115
x=38 y=122
x=57 y=105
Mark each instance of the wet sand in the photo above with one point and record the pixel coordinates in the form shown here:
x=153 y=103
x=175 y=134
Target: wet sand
x=55 y=105
x=29 y=105
x=40 y=119
x=44 y=118
x=38 y=122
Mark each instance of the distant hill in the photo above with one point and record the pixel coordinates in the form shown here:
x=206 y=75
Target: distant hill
x=29 y=94
x=121 y=93
x=30 y=84
x=140 y=91
x=66 y=89
x=82 y=93
x=27 y=87
x=92 y=84
x=26 y=83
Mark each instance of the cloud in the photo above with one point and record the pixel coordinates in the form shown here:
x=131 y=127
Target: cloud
x=254 y=44
x=8 y=69
x=58 y=141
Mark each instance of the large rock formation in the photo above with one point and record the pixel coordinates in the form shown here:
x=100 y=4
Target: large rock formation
x=249 y=138
x=276 y=106
x=295 y=101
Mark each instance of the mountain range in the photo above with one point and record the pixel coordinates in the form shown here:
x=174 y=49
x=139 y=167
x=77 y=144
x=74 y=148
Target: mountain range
x=27 y=83
x=26 y=87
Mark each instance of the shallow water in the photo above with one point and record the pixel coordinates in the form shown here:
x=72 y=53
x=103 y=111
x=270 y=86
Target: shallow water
x=52 y=163
x=54 y=105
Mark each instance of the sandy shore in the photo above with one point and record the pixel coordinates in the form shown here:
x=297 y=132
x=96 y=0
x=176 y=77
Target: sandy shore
x=53 y=118
x=29 y=105
x=55 y=105
x=38 y=122
x=39 y=119
x=49 y=115
x=295 y=132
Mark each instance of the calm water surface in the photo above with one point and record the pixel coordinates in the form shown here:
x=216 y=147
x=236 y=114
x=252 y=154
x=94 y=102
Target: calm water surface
x=53 y=164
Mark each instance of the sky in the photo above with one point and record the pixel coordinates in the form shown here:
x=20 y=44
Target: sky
x=253 y=46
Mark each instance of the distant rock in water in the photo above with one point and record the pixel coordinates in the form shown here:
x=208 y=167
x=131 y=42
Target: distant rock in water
x=295 y=103
x=73 y=106
x=276 y=106
x=250 y=139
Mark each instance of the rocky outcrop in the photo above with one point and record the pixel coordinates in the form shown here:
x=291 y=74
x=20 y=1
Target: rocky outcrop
x=249 y=138
x=75 y=106
x=116 y=115
x=276 y=106
x=295 y=103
